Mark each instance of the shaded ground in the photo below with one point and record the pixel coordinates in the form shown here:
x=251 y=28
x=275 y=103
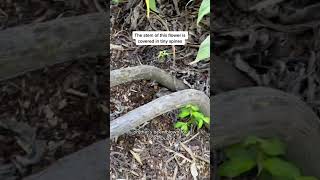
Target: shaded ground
x=157 y=143
x=18 y=12
x=274 y=44
x=52 y=112
x=64 y=104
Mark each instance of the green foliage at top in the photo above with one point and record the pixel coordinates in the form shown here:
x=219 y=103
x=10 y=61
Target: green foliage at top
x=203 y=10
x=266 y=155
x=204 y=49
x=194 y=116
x=151 y=5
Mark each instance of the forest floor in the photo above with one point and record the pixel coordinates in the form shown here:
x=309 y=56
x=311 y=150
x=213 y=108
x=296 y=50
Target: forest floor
x=54 y=111
x=162 y=149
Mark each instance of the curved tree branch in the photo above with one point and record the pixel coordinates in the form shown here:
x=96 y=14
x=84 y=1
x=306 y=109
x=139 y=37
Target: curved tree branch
x=121 y=76
x=157 y=107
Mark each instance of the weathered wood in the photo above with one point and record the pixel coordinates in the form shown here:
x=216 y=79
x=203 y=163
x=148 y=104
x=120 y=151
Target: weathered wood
x=121 y=76
x=157 y=107
x=267 y=112
x=34 y=46
x=87 y=164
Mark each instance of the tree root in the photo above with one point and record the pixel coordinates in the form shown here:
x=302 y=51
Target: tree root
x=87 y=164
x=29 y=47
x=267 y=112
x=157 y=107
x=121 y=76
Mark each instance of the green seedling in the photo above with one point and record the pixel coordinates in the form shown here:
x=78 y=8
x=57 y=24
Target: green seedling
x=163 y=55
x=265 y=155
x=151 y=6
x=194 y=116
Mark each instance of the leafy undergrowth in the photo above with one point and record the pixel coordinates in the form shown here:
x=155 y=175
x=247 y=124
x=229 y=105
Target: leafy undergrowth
x=261 y=159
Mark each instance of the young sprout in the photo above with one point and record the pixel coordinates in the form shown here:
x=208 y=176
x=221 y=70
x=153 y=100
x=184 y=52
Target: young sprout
x=163 y=55
x=194 y=116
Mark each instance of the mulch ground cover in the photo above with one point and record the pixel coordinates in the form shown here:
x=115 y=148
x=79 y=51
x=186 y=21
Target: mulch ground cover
x=273 y=43
x=52 y=112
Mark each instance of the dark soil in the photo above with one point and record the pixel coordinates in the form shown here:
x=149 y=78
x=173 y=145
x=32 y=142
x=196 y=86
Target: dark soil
x=271 y=44
x=65 y=105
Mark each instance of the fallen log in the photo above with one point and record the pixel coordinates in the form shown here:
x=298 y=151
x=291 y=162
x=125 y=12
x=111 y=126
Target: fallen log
x=29 y=47
x=158 y=107
x=87 y=164
x=121 y=76
x=267 y=112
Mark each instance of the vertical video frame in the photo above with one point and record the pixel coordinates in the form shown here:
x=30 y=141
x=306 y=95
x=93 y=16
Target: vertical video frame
x=160 y=89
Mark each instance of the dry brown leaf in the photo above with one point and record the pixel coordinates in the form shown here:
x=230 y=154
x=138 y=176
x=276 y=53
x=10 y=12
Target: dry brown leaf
x=136 y=157
x=193 y=169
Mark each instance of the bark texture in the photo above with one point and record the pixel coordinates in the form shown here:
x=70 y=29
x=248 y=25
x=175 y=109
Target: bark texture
x=34 y=46
x=89 y=163
x=121 y=76
x=157 y=107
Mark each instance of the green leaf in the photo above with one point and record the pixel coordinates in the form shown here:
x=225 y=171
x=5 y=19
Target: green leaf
x=203 y=10
x=194 y=108
x=236 y=166
x=238 y=150
x=280 y=168
x=179 y=124
x=252 y=140
x=151 y=4
x=204 y=51
x=306 y=178
x=184 y=113
x=273 y=147
x=198 y=116
x=185 y=128
x=200 y=123
x=206 y=120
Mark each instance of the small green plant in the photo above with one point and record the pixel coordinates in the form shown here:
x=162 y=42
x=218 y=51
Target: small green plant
x=163 y=55
x=151 y=5
x=265 y=155
x=194 y=116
